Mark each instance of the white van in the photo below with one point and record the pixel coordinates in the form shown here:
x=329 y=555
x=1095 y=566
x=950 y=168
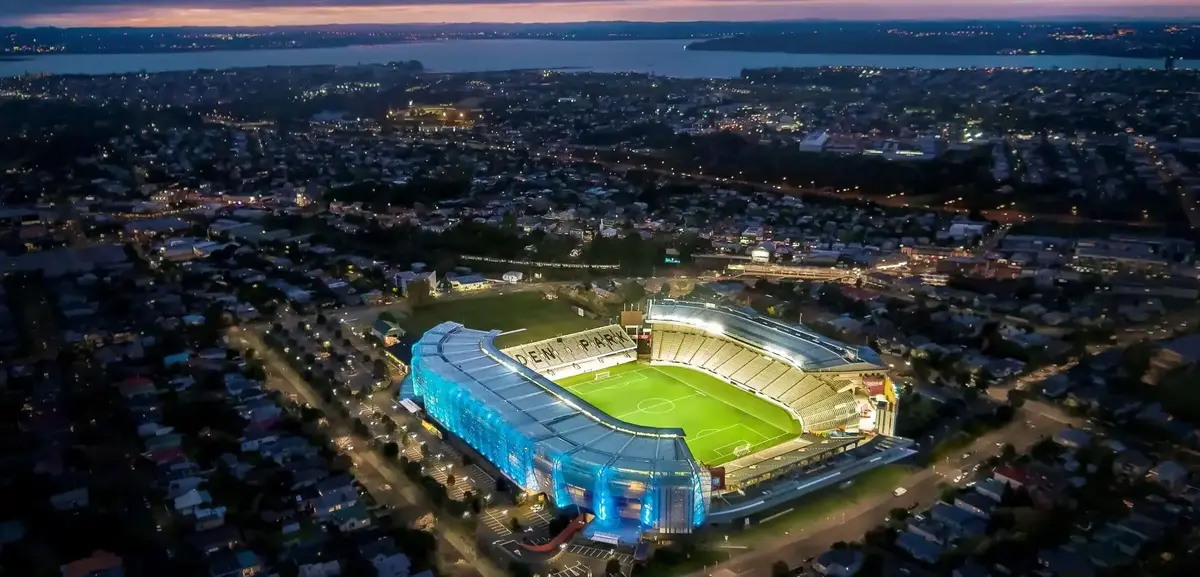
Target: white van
x=899 y=491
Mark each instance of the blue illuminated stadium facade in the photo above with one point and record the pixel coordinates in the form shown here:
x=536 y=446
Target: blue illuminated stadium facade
x=546 y=439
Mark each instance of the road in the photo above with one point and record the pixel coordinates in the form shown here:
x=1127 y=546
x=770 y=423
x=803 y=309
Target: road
x=923 y=488
x=381 y=479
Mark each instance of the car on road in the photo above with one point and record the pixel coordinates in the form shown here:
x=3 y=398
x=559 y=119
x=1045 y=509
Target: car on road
x=899 y=491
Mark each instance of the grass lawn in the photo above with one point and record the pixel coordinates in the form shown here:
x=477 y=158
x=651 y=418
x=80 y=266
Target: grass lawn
x=540 y=318
x=826 y=502
x=721 y=421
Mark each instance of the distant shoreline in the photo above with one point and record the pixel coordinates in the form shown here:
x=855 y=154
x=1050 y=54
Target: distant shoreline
x=777 y=45
x=13 y=58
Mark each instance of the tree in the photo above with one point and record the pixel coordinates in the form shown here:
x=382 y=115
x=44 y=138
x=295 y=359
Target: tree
x=300 y=326
x=321 y=319
x=613 y=567
x=391 y=450
x=417 y=293
x=514 y=524
x=450 y=480
x=1016 y=397
x=519 y=569
x=1008 y=452
x=780 y=569
x=361 y=429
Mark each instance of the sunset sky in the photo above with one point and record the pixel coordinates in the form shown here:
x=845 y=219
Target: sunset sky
x=293 y=12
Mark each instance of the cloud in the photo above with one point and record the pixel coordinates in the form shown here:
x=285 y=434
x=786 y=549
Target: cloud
x=266 y=12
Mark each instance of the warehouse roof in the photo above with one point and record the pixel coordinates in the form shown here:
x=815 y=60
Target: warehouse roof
x=556 y=419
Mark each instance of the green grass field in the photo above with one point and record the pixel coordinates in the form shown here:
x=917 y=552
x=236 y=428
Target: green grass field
x=717 y=417
x=541 y=318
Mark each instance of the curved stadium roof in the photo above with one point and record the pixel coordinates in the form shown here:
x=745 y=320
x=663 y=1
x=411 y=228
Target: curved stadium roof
x=539 y=409
x=808 y=350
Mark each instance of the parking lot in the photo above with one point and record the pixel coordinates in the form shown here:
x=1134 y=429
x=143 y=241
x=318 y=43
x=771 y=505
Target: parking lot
x=496 y=523
x=599 y=553
x=577 y=569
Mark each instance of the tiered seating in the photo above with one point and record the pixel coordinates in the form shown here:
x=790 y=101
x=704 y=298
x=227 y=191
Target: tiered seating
x=670 y=346
x=574 y=354
x=691 y=343
x=773 y=370
x=830 y=413
x=738 y=361
x=806 y=386
x=723 y=354
x=752 y=368
x=706 y=351
x=813 y=397
x=785 y=382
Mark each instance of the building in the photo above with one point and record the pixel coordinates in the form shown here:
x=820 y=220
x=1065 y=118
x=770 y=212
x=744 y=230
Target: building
x=468 y=283
x=98 y=564
x=512 y=277
x=387 y=332
x=839 y=562
x=545 y=439
x=814 y=141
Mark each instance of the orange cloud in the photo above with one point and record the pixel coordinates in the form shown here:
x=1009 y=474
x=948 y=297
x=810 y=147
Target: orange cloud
x=202 y=13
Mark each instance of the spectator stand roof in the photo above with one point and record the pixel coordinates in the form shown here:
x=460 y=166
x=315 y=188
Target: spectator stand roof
x=543 y=411
x=802 y=347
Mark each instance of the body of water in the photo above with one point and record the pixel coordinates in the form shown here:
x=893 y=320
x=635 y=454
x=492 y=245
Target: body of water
x=665 y=57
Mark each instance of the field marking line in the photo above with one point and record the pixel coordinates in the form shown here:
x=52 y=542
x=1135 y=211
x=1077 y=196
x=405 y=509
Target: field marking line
x=727 y=403
x=711 y=432
x=624 y=382
x=663 y=402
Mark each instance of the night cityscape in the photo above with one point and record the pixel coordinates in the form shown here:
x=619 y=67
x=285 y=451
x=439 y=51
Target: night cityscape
x=611 y=288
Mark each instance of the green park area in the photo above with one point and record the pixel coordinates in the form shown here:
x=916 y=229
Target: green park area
x=530 y=310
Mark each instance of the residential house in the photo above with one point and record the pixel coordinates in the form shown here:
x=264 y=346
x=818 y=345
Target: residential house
x=221 y=538
x=920 y=548
x=191 y=500
x=351 y=518
x=70 y=500
x=314 y=561
x=930 y=530
x=1170 y=475
x=98 y=564
x=252 y=440
x=11 y=532
x=228 y=563
x=960 y=521
x=1073 y=438
x=971 y=569
x=1132 y=463
x=839 y=562
x=1066 y=562
x=208 y=517
x=975 y=504
x=993 y=489
x=388 y=561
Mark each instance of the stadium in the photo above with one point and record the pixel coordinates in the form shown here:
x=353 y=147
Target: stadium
x=664 y=421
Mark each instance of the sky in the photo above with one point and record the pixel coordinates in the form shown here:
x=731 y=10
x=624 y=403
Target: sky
x=315 y=12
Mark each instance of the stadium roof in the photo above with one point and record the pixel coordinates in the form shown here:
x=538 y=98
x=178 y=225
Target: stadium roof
x=806 y=349
x=541 y=410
